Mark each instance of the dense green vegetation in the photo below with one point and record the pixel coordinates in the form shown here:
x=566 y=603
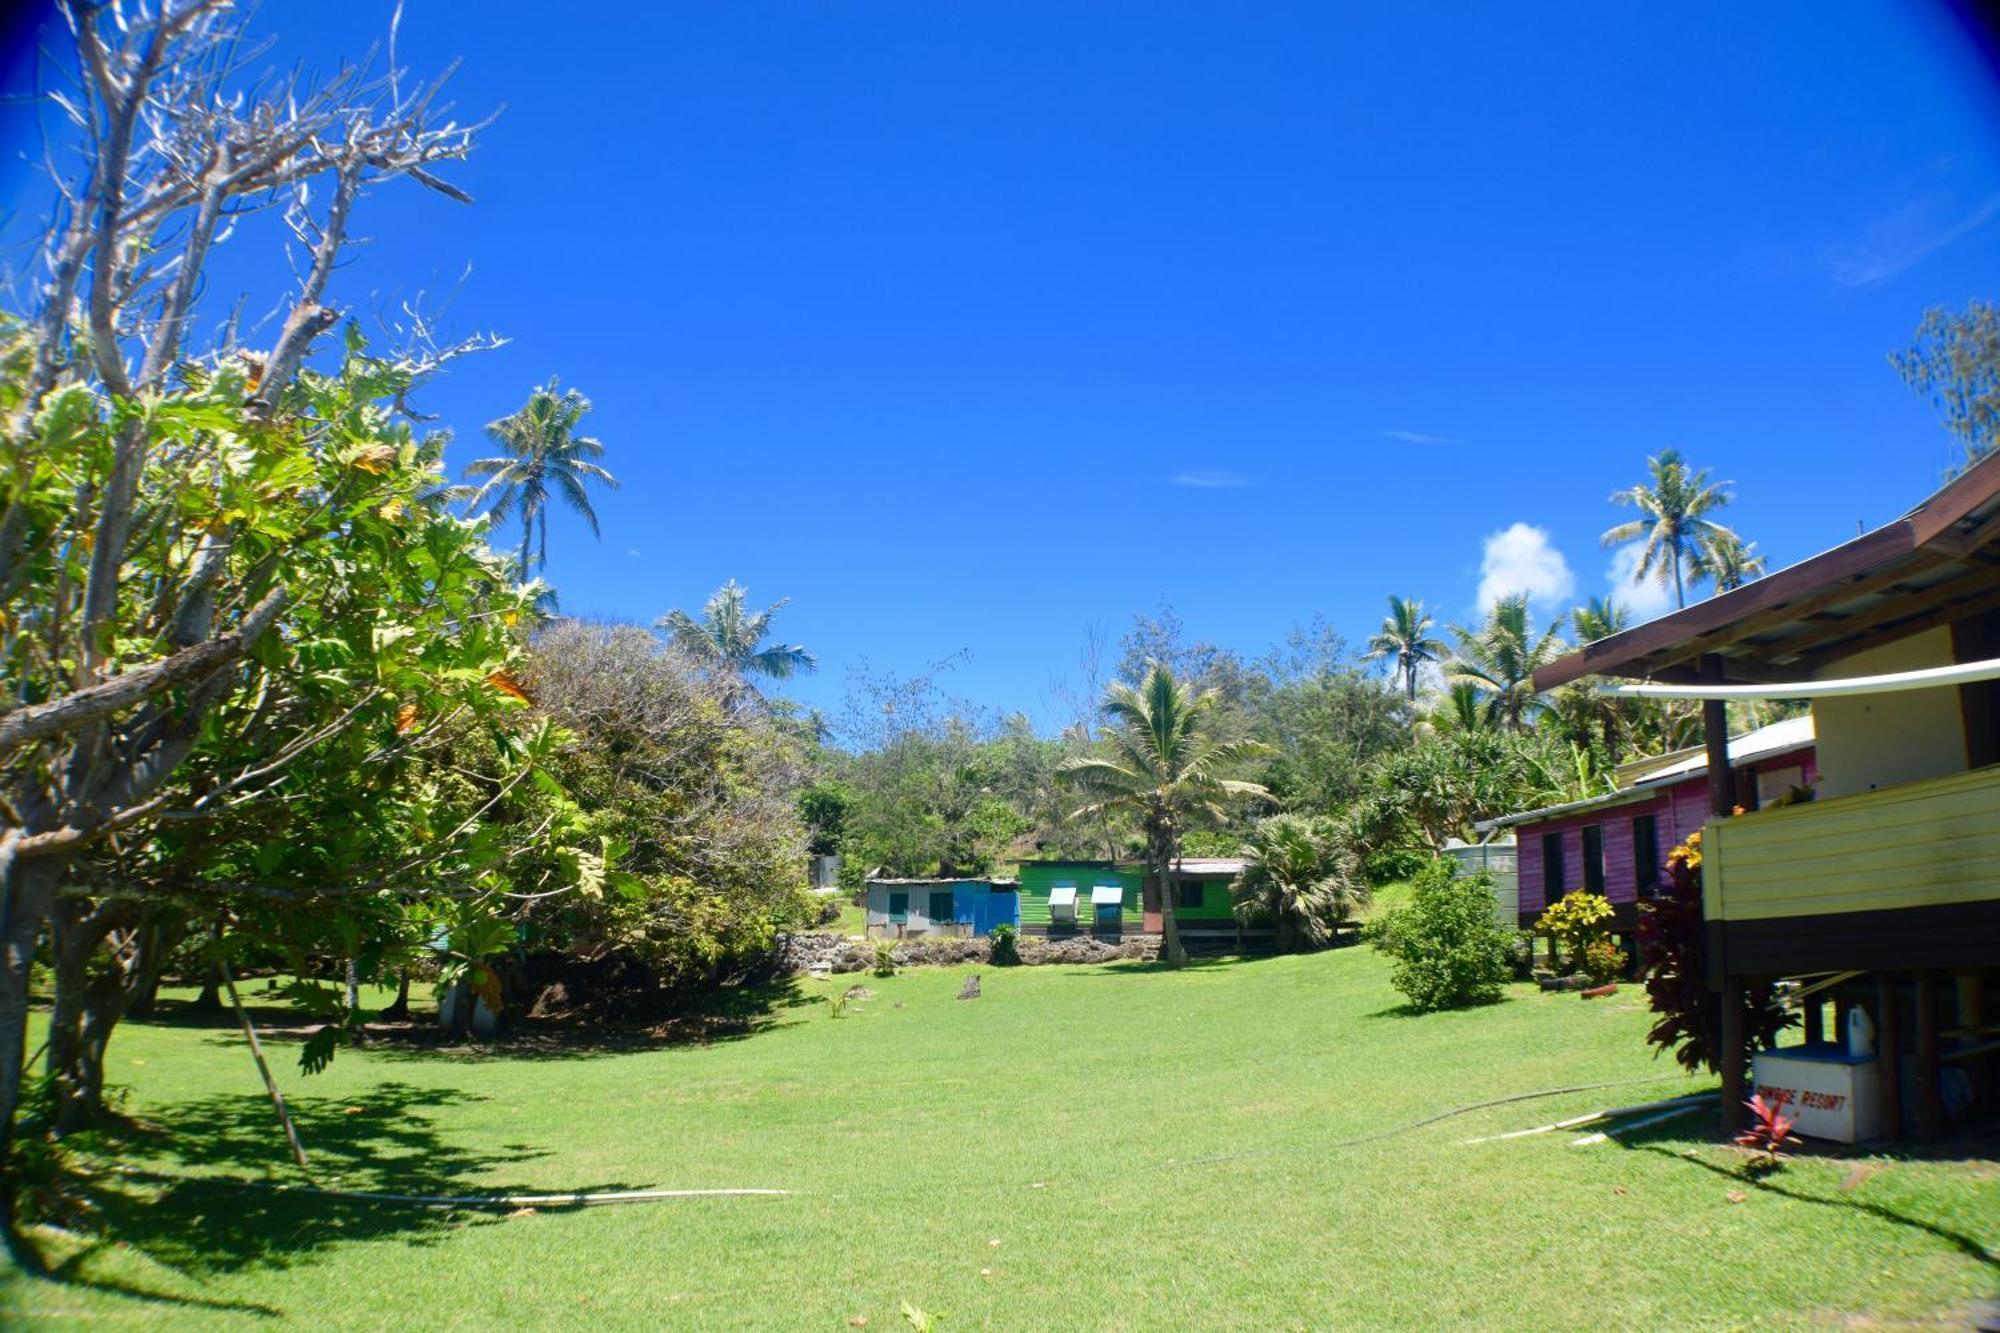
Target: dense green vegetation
x=962 y=1157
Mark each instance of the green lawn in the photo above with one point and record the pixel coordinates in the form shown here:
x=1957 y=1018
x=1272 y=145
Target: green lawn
x=1114 y=1147
x=853 y=920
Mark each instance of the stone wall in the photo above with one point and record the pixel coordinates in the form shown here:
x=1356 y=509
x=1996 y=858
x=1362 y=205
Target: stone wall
x=820 y=951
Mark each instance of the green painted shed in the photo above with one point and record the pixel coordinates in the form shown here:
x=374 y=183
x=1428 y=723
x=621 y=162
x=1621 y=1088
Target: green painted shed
x=1082 y=898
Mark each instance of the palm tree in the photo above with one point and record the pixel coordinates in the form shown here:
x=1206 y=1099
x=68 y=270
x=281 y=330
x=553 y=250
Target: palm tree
x=1302 y=876
x=543 y=453
x=1599 y=618
x=1406 y=636
x=1461 y=709
x=1673 y=520
x=1166 y=767
x=728 y=639
x=1727 y=559
x=1501 y=657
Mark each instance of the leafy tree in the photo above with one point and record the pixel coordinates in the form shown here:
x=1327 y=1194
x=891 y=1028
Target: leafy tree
x=1303 y=877
x=1166 y=768
x=302 y=793
x=156 y=502
x=1449 y=948
x=1674 y=522
x=1202 y=665
x=1406 y=636
x=1326 y=728
x=729 y=638
x=1501 y=657
x=541 y=453
x=1955 y=363
x=692 y=805
x=824 y=807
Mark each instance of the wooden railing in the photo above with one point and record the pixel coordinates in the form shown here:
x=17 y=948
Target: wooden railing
x=1920 y=844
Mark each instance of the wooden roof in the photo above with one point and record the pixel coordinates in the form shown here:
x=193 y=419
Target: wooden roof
x=1935 y=565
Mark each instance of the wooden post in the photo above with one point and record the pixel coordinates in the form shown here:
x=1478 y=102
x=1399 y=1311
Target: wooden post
x=1721 y=803
x=1715 y=735
x=1734 y=1057
x=1930 y=1100
x=1888 y=1050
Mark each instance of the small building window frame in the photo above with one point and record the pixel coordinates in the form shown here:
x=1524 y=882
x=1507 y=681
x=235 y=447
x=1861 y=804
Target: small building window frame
x=1190 y=895
x=1553 y=871
x=940 y=905
x=1593 y=859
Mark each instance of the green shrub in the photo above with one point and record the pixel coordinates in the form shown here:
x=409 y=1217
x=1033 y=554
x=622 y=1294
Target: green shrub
x=1006 y=949
x=1573 y=922
x=1602 y=960
x=1450 y=951
x=885 y=958
x=1395 y=865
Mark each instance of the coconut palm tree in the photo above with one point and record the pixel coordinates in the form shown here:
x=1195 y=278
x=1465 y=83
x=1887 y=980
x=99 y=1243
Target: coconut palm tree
x=1599 y=618
x=1166 y=766
x=728 y=639
x=1406 y=636
x=1302 y=877
x=1673 y=523
x=1500 y=658
x=542 y=454
x=1727 y=559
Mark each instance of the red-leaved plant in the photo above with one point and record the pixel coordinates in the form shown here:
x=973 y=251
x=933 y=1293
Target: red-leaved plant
x=1673 y=958
x=1770 y=1129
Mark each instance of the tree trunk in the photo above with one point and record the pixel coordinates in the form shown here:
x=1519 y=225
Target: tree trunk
x=26 y=890
x=400 y=1010
x=209 y=1001
x=1170 y=932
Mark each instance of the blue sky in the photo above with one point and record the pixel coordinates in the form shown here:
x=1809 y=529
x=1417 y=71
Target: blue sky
x=967 y=327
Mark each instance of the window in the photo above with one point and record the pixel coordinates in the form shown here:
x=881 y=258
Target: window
x=1646 y=854
x=899 y=907
x=1593 y=860
x=941 y=905
x=1776 y=783
x=1553 y=873
x=1189 y=895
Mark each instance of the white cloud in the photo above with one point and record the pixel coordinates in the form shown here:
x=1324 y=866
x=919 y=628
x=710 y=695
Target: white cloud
x=1212 y=481
x=1521 y=559
x=632 y=551
x=1646 y=601
x=1900 y=241
x=1418 y=437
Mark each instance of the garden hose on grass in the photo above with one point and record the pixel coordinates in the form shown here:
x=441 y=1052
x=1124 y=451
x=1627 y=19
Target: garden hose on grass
x=1416 y=1124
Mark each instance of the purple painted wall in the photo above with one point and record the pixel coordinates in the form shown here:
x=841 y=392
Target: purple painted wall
x=1677 y=810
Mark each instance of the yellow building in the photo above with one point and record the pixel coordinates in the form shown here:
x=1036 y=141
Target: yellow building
x=1883 y=893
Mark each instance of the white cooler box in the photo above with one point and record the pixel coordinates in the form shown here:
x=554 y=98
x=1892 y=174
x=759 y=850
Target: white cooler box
x=1834 y=1095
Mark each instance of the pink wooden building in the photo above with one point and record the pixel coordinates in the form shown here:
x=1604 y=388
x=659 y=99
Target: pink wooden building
x=1617 y=845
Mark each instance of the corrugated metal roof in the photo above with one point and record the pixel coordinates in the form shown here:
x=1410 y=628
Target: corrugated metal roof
x=1212 y=865
x=1794 y=733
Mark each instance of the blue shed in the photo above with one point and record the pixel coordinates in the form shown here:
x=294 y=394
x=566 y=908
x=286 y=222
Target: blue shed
x=904 y=908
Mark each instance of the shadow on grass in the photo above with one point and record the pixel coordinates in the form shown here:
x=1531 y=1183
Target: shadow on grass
x=1652 y=1140
x=201 y=1225
x=1407 y=1010
x=729 y=1014
x=1128 y=967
